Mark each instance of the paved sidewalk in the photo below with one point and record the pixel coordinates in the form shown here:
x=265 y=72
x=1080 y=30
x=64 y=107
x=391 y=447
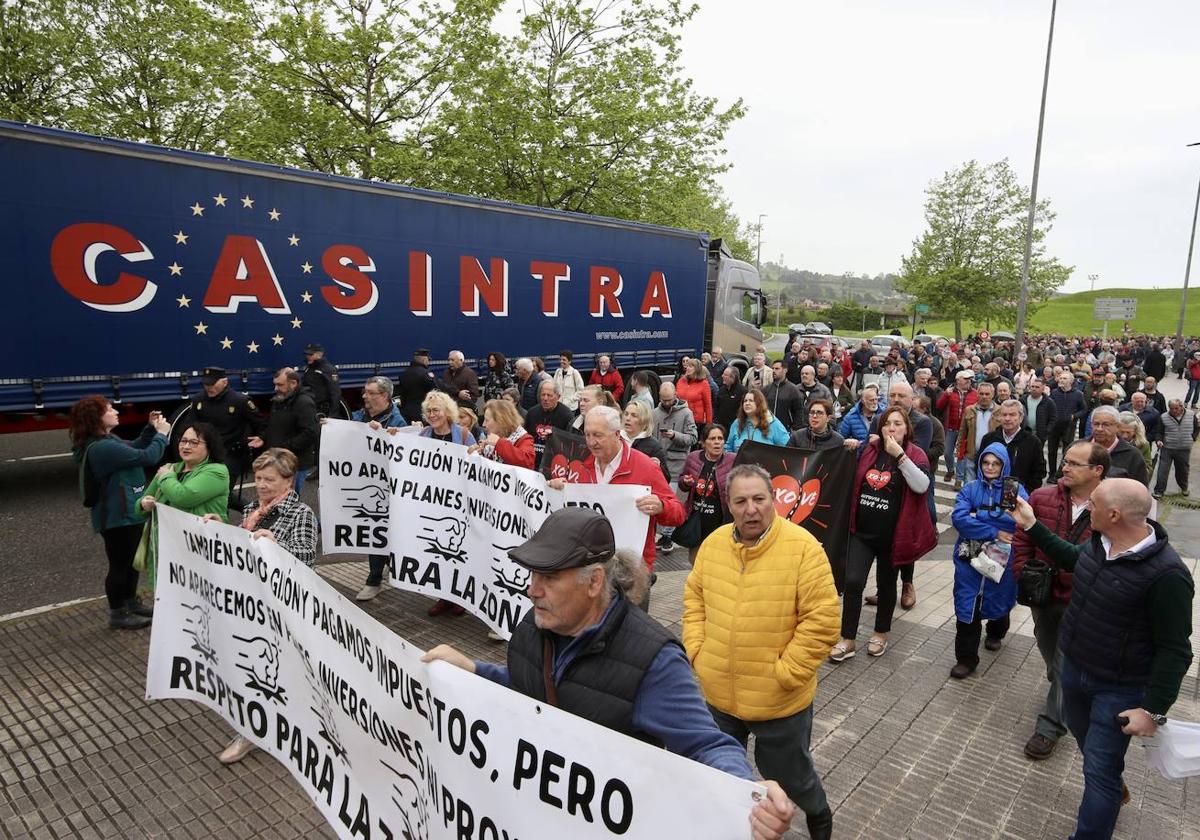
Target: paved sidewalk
x=904 y=751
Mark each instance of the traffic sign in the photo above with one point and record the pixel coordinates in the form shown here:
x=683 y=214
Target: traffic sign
x=922 y=308
x=1114 y=309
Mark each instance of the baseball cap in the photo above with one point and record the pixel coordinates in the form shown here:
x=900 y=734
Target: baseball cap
x=212 y=375
x=964 y=374
x=569 y=538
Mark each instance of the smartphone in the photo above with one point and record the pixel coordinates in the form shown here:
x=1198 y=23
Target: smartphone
x=1008 y=496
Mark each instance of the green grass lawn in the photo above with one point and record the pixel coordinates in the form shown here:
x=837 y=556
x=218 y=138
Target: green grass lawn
x=1157 y=314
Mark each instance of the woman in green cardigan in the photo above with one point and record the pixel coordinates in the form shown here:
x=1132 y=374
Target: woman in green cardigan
x=198 y=483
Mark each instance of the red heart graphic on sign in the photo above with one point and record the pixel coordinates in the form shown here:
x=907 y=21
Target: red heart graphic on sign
x=787 y=493
x=809 y=494
x=558 y=466
x=878 y=479
x=574 y=472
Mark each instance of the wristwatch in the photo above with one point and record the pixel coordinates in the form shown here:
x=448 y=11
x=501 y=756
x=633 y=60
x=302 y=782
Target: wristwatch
x=1159 y=720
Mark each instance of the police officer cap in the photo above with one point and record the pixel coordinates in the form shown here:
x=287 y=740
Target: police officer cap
x=314 y=348
x=569 y=538
x=420 y=351
x=212 y=375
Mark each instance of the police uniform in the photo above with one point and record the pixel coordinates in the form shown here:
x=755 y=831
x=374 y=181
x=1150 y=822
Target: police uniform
x=321 y=377
x=414 y=383
x=235 y=417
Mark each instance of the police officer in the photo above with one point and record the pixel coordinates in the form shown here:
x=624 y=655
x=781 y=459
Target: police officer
x=235 y=417
x=321 y=378
x=412 y=386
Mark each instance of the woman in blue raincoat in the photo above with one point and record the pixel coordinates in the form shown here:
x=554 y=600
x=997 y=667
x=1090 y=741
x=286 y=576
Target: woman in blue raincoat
x=978 y=518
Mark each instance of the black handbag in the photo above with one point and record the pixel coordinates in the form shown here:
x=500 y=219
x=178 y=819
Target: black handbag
x=1035 y=586
x=691 y=533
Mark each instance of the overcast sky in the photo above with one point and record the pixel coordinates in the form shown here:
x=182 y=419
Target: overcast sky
x=856 y=105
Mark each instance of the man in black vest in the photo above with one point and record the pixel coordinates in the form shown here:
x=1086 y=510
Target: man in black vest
x=607 y=661
x=1124 y=638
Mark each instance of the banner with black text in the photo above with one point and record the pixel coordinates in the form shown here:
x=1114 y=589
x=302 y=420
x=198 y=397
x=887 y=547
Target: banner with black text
x=448 y=517
x=386 y=746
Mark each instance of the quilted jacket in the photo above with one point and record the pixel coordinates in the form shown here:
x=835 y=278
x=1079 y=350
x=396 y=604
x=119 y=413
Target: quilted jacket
x=758 y=620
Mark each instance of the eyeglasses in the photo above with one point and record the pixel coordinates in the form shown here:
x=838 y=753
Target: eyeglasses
x=189 y=442
x=1068 y=463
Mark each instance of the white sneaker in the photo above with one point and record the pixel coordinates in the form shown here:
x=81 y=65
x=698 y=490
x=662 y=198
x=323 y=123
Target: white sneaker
x=367 y=593
x=238 y=749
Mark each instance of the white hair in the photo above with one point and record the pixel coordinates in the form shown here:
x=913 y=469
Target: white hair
x=610 y=416
x=456 y=355
x=524 y=363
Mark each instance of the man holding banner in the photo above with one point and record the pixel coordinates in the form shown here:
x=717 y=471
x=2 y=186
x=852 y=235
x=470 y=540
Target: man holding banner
x=760 y=614
x=611 y=460
x=582 y=649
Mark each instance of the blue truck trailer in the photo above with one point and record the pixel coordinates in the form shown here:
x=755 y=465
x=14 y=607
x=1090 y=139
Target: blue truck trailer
x=132 y=267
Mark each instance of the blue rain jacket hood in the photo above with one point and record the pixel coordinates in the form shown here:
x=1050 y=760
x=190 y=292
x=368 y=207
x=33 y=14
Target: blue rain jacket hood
x=977 y=516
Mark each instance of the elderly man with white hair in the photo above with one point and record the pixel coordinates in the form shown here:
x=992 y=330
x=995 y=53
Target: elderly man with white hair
x=1126 y=460
x=460 y=381
x=1180 y=429
x=529 y=379
x=611 y=460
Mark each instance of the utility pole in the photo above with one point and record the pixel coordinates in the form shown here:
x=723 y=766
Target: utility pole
x=1093 y=278
x=1037 y=163
x=1187 y=272
x=758 y=250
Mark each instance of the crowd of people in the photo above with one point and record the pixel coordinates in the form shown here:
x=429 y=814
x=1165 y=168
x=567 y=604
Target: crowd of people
x=1031 y=444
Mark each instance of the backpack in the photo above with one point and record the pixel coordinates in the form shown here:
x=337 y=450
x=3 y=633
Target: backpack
x=89 y=485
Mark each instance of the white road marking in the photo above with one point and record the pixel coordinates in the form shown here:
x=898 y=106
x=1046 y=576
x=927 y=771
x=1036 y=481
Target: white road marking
x=38 y=457
x=47 y=608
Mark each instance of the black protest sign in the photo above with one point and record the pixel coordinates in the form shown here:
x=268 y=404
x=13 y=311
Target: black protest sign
x=564 y=456
x=811 y=488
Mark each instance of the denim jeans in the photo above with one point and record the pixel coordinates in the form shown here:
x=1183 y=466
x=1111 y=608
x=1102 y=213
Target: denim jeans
x=301 y=474
x=1091 y=707
x=377 y=565
x=1046 y=621
x=781 y=752
x=951 y=448
x=1193 y=392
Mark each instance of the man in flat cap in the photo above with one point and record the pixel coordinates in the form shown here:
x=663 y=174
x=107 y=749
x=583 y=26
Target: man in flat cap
x=607 y=661
x=235 y=417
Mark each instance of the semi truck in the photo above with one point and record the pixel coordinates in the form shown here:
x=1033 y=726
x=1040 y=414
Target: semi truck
x=131 y=267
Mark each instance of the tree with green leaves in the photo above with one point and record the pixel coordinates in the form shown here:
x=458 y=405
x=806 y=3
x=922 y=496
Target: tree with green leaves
x=347 y=86
x=587 y=109
x=968 y=260
x=169 y=72
x=39 y=48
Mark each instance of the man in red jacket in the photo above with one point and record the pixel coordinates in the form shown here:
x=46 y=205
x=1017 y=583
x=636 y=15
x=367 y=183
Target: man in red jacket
x=611 y=460
x=1064 y=508
x=608 y=378
x=953 y=404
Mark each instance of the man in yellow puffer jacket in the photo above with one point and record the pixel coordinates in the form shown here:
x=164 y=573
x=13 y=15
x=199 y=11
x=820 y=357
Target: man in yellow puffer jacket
x=760 y=614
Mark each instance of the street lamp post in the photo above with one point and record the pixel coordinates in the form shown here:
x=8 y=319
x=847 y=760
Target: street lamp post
x=1037 y=163
x=1093 y=278
x=1187 y=272
x=758 y=250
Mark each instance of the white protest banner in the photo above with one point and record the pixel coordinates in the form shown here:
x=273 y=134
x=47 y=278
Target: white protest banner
x=449 y=517
x=387 y=746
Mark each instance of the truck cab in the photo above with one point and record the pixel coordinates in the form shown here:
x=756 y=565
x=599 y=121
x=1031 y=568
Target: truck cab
x=736 y=307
